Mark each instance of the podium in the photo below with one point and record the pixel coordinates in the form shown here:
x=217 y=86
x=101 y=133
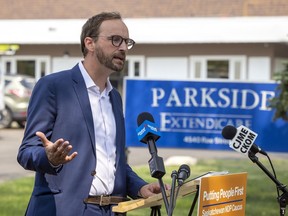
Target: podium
x=187 y=188
x=214 y=192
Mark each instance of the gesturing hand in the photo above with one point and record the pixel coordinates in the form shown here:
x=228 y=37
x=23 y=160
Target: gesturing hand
x=57 y=152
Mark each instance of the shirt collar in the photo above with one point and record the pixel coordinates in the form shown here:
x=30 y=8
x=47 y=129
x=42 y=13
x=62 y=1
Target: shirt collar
x=90 y=83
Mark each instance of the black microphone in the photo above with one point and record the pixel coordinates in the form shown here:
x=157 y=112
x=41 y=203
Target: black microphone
x=242 y=139
x=148 y=133
x=183 y=174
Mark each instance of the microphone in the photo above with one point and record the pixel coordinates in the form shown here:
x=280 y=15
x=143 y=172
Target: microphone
x=148 y=133
x=183 y=174
x=242 y=139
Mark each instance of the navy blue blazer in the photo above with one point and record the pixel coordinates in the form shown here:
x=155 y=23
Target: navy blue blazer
x=59 y=107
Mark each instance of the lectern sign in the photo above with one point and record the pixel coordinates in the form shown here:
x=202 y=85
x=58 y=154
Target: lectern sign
x=223 y=195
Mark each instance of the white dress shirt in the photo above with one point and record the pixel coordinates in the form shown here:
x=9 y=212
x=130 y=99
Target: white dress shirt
x=105 y=135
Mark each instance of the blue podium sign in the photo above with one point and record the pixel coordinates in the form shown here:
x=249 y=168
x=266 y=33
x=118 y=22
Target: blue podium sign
x=192 y=114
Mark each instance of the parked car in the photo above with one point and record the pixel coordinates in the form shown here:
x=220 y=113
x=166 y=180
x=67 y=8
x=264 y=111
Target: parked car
x=17 y=92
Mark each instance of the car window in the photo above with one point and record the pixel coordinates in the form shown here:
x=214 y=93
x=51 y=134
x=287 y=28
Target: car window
x=7 y=82
x=27 y=83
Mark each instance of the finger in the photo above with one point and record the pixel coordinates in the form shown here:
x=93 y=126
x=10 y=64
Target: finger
x=65 y=148
x=61 y=146
x=71 y=157
x=59 y=157
x=43 y=138
x=149 y=193
x=58 y=147
x=167 y=187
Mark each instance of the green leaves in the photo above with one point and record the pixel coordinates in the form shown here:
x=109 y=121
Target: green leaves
x=280 y=101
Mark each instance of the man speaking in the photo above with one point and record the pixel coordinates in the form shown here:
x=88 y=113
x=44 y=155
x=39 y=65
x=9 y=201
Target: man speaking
x=75 y=134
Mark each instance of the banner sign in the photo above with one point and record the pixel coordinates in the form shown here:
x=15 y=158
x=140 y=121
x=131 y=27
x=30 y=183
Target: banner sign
x=192 y=114
x=223 y=195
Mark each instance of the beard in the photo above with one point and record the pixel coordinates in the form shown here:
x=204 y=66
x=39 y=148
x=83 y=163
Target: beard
x=107 y=61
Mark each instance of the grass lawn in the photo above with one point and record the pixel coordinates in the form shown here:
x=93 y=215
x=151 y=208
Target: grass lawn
x=261 y=191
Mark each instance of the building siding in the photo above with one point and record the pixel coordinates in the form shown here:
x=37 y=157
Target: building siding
x=75 y=9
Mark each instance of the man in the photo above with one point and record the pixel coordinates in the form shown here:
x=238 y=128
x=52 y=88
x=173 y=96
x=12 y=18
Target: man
x=79 y=108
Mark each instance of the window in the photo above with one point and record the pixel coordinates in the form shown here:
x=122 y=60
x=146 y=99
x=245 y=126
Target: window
x=8 y=67
x=26 y=67
x=35 y=66
x=134 y=67
x=218 y=67
x=116 y=78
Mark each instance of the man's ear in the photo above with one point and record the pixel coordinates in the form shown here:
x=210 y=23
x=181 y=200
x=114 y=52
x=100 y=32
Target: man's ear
x=89 y=44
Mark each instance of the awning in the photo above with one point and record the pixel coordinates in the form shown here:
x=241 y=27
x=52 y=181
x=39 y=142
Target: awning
x=153 y=30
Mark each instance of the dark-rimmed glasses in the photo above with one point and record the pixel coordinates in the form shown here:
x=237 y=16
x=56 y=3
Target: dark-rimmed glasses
x=117 y=40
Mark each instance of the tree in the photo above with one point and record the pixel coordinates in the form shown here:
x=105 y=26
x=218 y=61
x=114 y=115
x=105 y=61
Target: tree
x=280 y=101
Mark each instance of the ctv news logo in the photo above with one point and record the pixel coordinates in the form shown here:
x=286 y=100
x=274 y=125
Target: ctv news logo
x=243 y=140
x=146 y=128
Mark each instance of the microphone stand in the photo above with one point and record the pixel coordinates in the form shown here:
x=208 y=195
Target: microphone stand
x=172 y=194
x=282 y=199
x=157 y=170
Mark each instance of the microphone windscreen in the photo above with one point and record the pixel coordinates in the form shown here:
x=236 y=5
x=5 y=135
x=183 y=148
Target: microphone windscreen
x=143 y=117
x=229 y=131
x=184 y=168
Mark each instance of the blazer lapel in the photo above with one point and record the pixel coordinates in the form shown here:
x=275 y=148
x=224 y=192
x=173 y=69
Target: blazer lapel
x=118 y=113
x=82 y=94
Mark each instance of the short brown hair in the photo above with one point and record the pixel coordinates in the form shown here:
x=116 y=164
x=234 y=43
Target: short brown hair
x=92 y=25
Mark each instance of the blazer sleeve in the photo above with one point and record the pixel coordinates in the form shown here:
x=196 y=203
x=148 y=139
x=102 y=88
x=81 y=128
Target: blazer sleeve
x=134 y=183
x=40 y=117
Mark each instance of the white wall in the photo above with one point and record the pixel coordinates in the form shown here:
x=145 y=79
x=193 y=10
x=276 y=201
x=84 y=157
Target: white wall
x=63 y=63
x=259 y=68
x=167 y=67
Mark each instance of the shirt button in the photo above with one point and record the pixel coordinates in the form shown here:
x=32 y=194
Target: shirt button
x=93 y=173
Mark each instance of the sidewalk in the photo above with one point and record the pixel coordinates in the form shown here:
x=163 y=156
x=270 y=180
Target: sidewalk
x=140 y=156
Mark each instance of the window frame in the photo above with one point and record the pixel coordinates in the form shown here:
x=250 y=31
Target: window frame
x=232 y=59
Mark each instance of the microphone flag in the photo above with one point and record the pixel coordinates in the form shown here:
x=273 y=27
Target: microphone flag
x=243 y=140
x=146 y=130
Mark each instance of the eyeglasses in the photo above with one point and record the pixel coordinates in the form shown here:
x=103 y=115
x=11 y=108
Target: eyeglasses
x=117 y=40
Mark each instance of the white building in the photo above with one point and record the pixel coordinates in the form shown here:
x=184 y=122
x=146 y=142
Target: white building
x=234 y=48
